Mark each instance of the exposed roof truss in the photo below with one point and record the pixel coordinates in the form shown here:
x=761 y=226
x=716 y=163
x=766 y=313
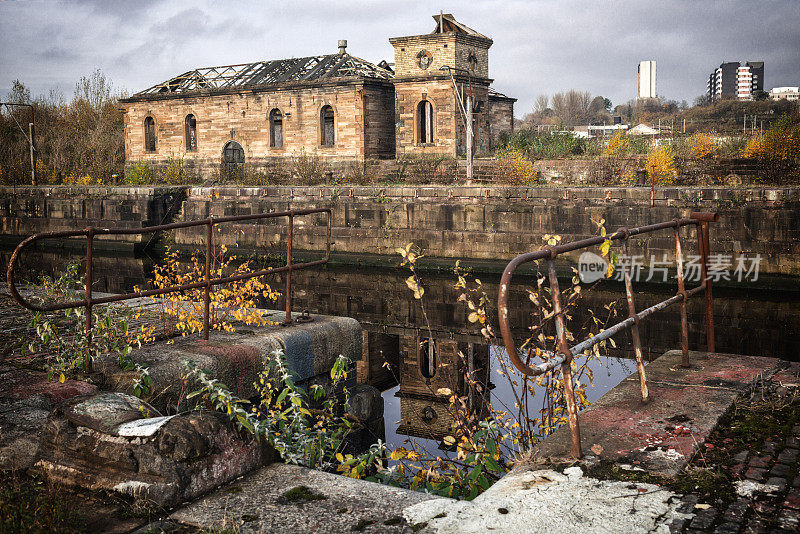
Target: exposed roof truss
x=271 y=72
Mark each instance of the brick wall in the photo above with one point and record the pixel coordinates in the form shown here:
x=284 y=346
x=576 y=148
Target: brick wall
x=451 y=49
x=243 y=117
x=501 y=118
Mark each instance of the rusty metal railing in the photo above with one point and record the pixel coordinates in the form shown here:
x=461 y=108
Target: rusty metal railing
x=564 y=353
x=88 y=301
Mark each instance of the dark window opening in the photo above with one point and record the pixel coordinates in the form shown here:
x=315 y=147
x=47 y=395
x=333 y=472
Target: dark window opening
x=276 y=128
x=191 y=133
x=149 y=134
x=233 y=160
x=425 y=122
x=427 y=358
x=328 y=127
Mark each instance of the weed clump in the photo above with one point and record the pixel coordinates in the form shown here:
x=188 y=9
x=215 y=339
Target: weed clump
x=301 y=495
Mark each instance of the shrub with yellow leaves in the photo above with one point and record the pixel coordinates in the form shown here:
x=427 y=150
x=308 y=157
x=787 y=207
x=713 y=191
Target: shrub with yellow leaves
x=703 y=146
x=511 y=167
x=230 y=303
x=618 y=146
x=84 y=179
x=779 y=148
x=661 y=167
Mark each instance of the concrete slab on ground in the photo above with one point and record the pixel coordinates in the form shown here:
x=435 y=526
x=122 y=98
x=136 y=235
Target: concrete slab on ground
x=663 y=435
x=546 y=501
x=256 y=503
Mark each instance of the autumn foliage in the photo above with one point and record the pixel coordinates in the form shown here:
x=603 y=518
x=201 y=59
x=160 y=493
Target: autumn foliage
x=661 y=168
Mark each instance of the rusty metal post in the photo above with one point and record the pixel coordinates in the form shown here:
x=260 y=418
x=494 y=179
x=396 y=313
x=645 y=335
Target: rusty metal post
x=566 y=367
x=702 y=242
x=682 y=291
x=637 y=344
x=207 y=296
x=288 y=296
x=87 y=364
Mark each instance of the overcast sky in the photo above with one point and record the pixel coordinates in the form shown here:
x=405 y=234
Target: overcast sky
x=539 y=46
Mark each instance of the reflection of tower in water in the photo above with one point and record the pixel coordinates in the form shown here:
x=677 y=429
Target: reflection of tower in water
x=432 y=366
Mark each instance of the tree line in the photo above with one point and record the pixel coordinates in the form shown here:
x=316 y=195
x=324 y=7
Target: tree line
x=79 y=141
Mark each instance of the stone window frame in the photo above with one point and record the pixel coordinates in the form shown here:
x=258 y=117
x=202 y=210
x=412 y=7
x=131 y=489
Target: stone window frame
x=270 y=118
x=321 y=123
x=147 y=135
x=187 y=132
x=418 y=125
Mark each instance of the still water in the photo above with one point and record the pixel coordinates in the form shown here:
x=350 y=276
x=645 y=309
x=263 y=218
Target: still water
x=747 y=322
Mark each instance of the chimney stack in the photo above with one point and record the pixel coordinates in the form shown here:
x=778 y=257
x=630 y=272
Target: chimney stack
x=342 y=46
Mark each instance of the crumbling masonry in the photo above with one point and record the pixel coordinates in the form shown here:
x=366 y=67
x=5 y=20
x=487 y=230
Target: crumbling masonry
x=339 y=107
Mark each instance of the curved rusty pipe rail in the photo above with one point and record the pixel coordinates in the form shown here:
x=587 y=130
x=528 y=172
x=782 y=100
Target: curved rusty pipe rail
x=90 y=232
x=550 y=252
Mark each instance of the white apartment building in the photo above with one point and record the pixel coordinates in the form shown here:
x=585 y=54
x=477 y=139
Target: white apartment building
x=646 y=79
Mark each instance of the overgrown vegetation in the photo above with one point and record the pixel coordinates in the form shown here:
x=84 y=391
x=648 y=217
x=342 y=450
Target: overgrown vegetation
x=486 y=439
x=183 y=312
x=61 y=340
x=80 y=141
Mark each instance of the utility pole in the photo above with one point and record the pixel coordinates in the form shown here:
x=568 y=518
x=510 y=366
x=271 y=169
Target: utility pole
x=29 y=136
x=470 y=137
x=33 y=153
x=684 y=125
x=467 y=113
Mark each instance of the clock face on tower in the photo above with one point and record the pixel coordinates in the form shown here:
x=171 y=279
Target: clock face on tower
x=424 y=59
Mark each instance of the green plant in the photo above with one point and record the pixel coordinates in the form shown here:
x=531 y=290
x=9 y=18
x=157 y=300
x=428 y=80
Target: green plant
x=308 y=168
x=140 y=173
x=62 y=341
x=552 y=145
x=302 y=425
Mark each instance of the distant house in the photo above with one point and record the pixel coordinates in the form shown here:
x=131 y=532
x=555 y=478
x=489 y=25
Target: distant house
x=785 y=93
x=642 y=129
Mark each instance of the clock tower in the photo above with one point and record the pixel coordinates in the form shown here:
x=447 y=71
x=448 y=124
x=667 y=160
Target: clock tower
x=428 y=113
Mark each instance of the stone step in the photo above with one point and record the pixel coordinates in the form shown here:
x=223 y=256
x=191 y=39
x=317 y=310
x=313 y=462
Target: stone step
x=259 y=503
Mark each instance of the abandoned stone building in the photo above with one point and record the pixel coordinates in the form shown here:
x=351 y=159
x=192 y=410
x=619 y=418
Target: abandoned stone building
x=336 y=106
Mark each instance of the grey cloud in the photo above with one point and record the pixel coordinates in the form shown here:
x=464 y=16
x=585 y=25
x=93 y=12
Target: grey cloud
x=540 y=46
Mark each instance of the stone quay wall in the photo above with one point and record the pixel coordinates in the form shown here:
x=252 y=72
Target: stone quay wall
x=479 y=223
x=29 y=210
x=498 y=223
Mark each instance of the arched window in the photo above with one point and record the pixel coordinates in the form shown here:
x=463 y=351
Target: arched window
x=190 y=128
x=149 y=134
x=232 y=160
x=424 y=122
x=275 y=128
x=428 y=358
x=327 y=126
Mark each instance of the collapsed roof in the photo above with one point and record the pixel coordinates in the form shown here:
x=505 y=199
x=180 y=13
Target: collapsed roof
x=446 y=23
x=314 y=68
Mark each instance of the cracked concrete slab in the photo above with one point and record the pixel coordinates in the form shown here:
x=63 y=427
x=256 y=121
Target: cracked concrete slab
x=256 y=503
x=547 y=501
x=663 y=435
